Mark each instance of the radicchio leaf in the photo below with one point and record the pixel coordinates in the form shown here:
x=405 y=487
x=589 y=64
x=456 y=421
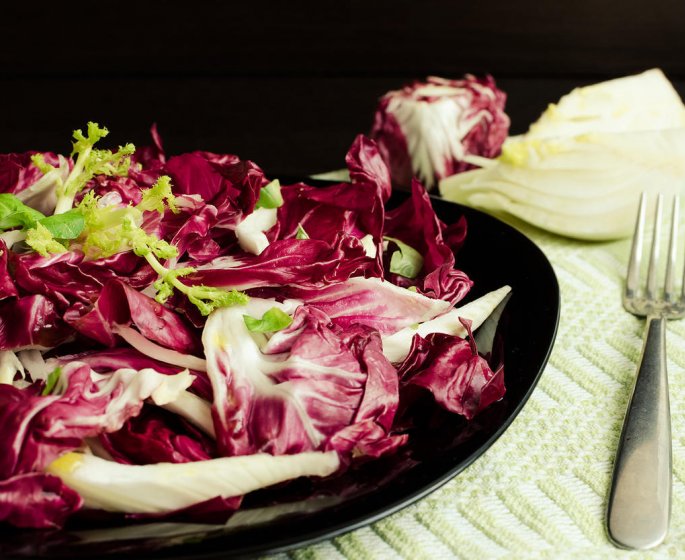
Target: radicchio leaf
x=112 y=359
x=428 y=129
x=67 y=278
x=301 y=262
x=367 y=167
x=121 y=305
x=7 y=287
x=414 y=222
x=372 y=302
x=301 y=389
x=31 y=322
x=37 y=500
x=17 y=171
x=37 y=429
x=450 y=368
x=156 y=436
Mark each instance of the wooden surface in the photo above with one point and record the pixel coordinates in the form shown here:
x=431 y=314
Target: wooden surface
x=289 y=85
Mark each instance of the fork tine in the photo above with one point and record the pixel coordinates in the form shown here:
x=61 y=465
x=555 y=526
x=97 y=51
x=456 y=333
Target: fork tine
x=669 y=284
x=654 y=256
x=633 y=274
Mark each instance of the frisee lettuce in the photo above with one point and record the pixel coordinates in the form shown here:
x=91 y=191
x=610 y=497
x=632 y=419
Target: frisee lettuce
x=111 y=229
x=101 y=231
x=159 y=196
x=205 y=298
x=43 y=242
x=89 y=163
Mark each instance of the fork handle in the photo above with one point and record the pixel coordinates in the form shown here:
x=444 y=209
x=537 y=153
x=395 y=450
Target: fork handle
x=639 y=505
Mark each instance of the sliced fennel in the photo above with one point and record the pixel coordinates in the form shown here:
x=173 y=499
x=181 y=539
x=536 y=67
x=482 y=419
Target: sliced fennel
x=645 y=101
x=165 y=487
x=580 y=168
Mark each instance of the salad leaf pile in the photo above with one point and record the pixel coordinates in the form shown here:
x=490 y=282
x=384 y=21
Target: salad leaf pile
x=176 y=332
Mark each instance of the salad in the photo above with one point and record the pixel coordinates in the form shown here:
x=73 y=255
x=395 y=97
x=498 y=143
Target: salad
x=176 y=332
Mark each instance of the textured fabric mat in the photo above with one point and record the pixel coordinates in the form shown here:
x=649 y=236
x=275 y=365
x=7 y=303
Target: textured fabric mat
x=540 y=491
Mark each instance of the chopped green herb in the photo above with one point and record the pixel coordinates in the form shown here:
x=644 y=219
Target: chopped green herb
x=64 y=226
x=270 y=196
x=14 y=213
x=406 y=261
x=51 y=381
x=301 y=233
x=273 y=320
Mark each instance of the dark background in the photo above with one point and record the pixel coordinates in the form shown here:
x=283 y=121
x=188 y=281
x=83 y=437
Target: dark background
x=289 y=84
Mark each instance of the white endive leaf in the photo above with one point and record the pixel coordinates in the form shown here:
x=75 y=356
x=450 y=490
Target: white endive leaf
x=397 y=346
x=165 y=487
x=9 y=366
x=250 y=232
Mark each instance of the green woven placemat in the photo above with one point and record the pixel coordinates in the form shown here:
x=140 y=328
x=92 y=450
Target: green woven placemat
x=540 y=490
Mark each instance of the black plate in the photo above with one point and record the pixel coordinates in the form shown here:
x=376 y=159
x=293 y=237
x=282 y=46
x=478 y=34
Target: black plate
x=440 y=447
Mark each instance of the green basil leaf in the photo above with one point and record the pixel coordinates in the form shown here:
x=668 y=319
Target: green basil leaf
x=273 y=320
x=14 y=213
x=270 y=196
x=406 y=261
x=65 y=226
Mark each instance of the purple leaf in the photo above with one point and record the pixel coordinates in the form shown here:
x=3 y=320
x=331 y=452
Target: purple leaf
x=367 y=167
x=31 y=322
x=7 y=287
x=37 y=500
x=156 y=436
x=67 y=278
x=372 y=302
x=450 y=368
x=120 y=304
x=17 y=172
x=192 y=174
x=414 y=222
x=303 y=388
x=302 y=262
x=112 y=359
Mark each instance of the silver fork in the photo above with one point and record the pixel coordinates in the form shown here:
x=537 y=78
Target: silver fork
x=639 y=506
